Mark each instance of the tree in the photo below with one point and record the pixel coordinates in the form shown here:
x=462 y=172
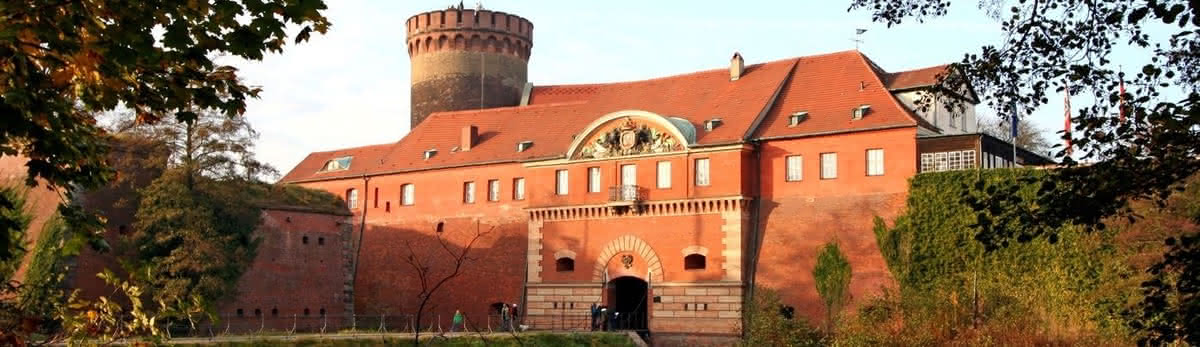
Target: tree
x=1029 y=135
x=196 y=240
x=63 y=62
x=832 y=277
x=210 y=145
x=430 y=279
x=1139 y=145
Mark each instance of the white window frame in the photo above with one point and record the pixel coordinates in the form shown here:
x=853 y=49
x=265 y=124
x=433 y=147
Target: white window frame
x=702 y=166
x=352 y=198
x=875 y=162
x=793 y=168
x=407 y=194
x=594 y=183
x=469 y=192
x=519 y=188
x=561 y=178
x=493 y=190
x=663 y=169
x=829 y=169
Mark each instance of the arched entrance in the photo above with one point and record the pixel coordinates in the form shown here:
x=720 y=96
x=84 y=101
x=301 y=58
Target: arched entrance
x=627 y=303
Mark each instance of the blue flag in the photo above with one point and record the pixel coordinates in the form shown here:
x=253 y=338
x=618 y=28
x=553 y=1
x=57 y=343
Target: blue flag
x=1014 y=120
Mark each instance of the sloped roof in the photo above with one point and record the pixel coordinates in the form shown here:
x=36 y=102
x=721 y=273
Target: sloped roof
x=923 y=77
x=757 y=105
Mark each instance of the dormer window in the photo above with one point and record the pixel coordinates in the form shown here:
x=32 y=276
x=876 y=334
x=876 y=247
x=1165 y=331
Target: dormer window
x=711 y=124
x=430 y=153
x=860 y=111
x=336 y=164
x=796 y=118
x=524 y=145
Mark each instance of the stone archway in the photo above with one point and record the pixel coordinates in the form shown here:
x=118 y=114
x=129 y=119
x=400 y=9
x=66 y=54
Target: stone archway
x=631 y=244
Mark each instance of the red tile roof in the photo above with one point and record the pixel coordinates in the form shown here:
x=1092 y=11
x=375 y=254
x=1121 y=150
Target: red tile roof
x=826 y=86
x=922 y=77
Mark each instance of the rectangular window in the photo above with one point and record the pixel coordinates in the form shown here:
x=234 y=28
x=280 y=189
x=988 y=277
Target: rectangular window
x=795 y=168
x=593 y=180
x=493 y=190
x=560 y=182
x=664 y=174
x=406 y=194
x=352 y=198
x=702 y=172
x=828 y=165
x=629 y=175
x=519 y=188
x=469 y=192
x=875 y=162
x=375 y=203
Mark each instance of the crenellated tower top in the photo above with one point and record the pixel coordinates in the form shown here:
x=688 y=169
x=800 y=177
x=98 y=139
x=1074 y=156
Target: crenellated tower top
x=469 y=30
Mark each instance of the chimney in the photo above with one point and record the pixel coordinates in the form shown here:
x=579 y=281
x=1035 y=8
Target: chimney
x=470 y=134
x=736 y=67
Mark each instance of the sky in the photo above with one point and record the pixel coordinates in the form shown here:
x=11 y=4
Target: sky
x=350 y=87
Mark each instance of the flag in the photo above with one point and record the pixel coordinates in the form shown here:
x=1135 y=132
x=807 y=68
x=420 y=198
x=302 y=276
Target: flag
x=1067 y=116
x=1121 y=103
x=1015 y=118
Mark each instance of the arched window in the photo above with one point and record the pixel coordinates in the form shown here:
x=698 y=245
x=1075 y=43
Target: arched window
x=306 y=311
x=352 y=198
x=257 y=312
x=564 y=265
x=440 y=227
x=694 y=262
x=274 y=312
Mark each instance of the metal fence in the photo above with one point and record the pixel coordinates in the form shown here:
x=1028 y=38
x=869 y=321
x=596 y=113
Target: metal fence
x=266 y=324
x=406 y=323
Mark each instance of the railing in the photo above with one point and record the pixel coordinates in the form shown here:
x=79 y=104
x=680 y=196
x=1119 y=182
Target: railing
x=626 y=193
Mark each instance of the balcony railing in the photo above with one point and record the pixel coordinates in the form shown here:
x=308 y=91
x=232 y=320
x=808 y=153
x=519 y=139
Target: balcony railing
x=626 y=194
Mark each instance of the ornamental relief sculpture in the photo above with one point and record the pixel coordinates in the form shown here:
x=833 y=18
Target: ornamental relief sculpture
x=629 y=138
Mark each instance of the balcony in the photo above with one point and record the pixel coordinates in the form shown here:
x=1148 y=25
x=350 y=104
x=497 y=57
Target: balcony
x=625 y=195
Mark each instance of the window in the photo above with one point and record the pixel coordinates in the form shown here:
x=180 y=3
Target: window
x=564 y=265
x=629 y=175
x=240 y=312
x=702 y=172
x=274 y=311
x=795 y=168
x=593 y=180
x=375 y=202
x=694 y=262
x=828 y=165
x=796 y=118
x=874 y=162
x=954 y=120
x=320 y=241
x=493 y=190
x=953 y=160
x=560 y=182
x=257 y=312
x=664 y=174
x=469 y=192
x=306 y=311
x=441 y=226
x=407 y=194
x=337 y=164
x=304 y=240
x=352 y=198
x=519 y=188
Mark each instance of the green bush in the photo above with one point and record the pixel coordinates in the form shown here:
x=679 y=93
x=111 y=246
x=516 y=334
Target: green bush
x=832 y=277
x=952 y=289
x=767 y=326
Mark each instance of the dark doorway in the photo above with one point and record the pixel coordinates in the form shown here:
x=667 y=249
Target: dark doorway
x=627 y=304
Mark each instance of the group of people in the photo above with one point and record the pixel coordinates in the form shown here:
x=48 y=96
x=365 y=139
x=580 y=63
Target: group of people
x=509 y=316
x=600 y=317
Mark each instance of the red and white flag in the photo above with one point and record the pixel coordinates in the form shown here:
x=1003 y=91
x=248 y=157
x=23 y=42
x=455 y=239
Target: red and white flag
x=1067 y=115
x=1121 y=103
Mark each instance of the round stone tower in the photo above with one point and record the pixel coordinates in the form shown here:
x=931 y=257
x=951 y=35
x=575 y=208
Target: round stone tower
x=465 y=59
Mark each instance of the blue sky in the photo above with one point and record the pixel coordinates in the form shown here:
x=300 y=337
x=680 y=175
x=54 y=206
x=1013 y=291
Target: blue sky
x=350 y=87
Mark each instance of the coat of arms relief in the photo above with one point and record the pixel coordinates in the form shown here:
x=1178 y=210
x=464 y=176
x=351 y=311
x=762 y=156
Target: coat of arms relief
x=629 y=138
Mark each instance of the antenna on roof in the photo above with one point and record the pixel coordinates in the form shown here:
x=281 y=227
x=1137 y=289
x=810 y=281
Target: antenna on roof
x=858 y=37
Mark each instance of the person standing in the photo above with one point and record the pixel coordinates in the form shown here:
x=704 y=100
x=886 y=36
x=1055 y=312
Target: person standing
x=457 y=323
x=506 y=320
x=595 y=311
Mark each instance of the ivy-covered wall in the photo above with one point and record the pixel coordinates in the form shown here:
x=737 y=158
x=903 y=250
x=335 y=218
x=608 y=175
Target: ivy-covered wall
x=1077 y=284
